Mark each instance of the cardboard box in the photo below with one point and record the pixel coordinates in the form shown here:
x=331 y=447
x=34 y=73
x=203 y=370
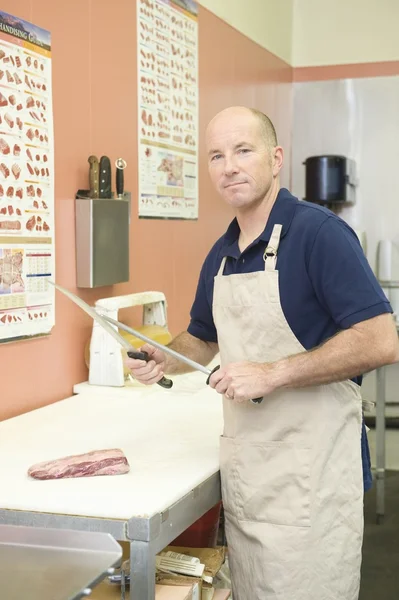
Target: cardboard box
x=212 y=558
x=222 y=594
x=108 y=591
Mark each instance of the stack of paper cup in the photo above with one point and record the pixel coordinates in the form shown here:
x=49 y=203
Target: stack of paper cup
x=384 y=260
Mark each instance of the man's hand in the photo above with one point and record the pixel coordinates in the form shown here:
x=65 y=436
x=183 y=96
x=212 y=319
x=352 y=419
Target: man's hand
x=244 y=381
x=148 y=372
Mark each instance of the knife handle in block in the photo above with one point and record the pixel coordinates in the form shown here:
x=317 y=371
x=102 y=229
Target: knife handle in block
x=165 y=383
x=94 y=176
x=105 y=178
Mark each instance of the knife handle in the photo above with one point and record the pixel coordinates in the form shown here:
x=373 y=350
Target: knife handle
x=254 y=400
x=165 y=383
x=105 y=177
x=94 y=179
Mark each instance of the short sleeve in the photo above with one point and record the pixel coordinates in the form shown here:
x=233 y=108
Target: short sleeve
x=342 y=278
x=201 y=324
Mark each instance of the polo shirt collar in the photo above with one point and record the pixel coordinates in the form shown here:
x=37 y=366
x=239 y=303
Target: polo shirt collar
x=282 y=213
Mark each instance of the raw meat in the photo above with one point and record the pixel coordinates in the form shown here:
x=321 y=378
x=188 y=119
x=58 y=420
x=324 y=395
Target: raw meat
x=98 y=462
x=17 y=150
x=3 y=100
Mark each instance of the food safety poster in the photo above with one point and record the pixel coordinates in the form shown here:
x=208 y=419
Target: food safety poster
x=26 y=180
x=167 y=57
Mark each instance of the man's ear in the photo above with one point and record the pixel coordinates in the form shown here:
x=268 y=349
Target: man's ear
x=278 y=159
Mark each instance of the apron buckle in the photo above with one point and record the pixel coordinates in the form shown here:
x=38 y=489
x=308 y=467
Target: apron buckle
x=269 y=252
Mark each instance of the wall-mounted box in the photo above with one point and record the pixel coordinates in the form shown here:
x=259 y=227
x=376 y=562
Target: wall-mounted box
x=102 y=241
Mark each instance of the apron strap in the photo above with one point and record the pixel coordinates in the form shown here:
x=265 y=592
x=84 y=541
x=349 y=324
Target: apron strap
x=270 y=253
x=221 y=269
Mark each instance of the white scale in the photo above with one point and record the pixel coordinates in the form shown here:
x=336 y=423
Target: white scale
x=106 y=360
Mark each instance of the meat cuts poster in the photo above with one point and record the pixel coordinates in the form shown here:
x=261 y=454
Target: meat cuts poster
x=167 y=57
x=26 y=180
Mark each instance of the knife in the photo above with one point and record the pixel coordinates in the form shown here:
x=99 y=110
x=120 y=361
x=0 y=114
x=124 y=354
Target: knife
x=131 y=352
x=107 y=324
x=105 y=177
x=120 y=166
x=93 y=176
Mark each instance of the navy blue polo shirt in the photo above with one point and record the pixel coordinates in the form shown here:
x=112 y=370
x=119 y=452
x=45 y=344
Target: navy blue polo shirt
x=326 y=283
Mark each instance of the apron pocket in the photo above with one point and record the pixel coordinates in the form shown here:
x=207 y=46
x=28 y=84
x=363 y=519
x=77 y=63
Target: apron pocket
x=266 y=482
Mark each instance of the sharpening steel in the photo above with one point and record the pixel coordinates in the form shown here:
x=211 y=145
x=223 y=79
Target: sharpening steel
x=107 y=324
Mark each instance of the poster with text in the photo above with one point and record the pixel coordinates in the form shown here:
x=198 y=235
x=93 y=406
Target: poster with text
x=26 y=180
x=168 y=108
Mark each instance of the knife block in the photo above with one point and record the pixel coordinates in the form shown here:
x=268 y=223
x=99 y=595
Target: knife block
x=102 y=241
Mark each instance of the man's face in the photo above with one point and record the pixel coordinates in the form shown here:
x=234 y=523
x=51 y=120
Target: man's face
x=241 y=165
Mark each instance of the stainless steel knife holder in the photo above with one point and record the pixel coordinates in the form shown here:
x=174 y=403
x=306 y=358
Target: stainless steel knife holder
x=102 y=241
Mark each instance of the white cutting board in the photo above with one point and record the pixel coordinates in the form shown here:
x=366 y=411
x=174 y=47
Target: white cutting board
x=170 y=438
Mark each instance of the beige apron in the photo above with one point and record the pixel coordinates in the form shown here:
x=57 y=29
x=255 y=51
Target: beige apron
x=291 y=468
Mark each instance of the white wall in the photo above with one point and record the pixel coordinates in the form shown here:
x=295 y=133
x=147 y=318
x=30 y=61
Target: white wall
x=266 y=22
x=358 y=118
x=344 y=31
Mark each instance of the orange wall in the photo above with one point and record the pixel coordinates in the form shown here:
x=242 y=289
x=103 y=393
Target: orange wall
x=95 y=112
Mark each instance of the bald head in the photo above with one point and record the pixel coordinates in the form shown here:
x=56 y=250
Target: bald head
x=266 y=127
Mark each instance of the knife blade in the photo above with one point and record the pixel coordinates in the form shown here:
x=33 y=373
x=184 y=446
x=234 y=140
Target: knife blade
x=93 y=176
x=166 y=383
x=105 y=177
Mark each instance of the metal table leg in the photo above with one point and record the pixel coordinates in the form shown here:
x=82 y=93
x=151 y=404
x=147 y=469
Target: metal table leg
x=380 y=443
x=142 y=570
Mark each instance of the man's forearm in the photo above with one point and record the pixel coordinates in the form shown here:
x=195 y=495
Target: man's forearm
x=188 y=345
x=350 y=353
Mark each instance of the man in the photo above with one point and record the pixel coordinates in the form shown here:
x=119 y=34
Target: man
x=288 y=298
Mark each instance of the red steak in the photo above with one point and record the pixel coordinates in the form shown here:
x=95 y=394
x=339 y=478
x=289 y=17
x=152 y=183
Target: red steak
x=97 y=462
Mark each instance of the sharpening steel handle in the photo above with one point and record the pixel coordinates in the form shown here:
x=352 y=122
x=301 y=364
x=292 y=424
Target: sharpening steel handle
x=119 y=182
x=165 y=383
x=254 y=401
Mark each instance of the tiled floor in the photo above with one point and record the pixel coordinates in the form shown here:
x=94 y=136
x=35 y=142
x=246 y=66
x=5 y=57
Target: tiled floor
x=380 y=568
